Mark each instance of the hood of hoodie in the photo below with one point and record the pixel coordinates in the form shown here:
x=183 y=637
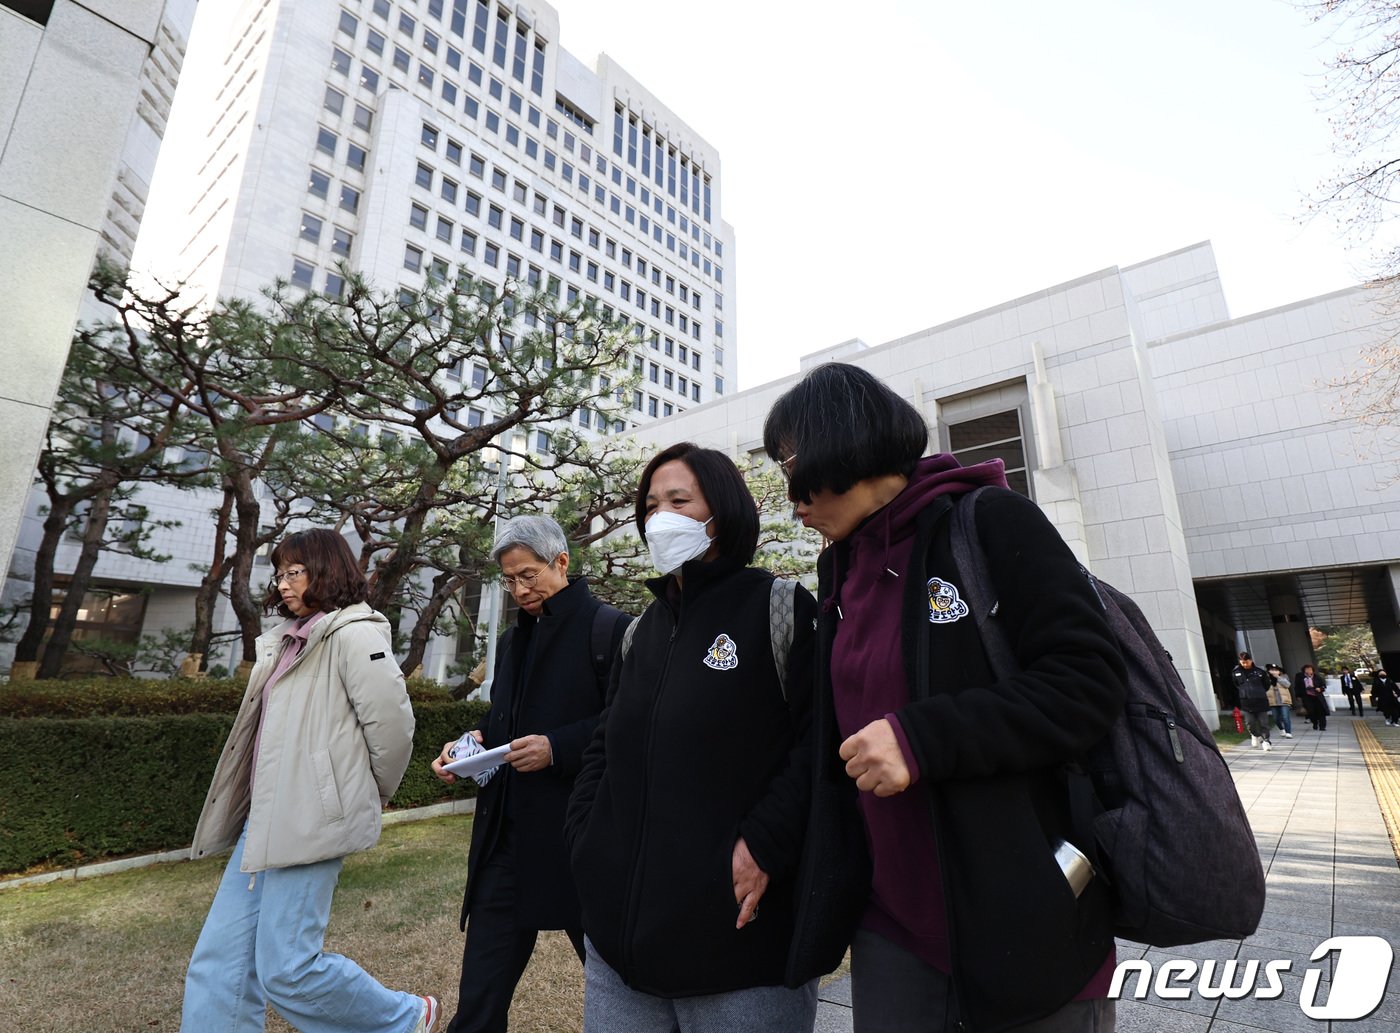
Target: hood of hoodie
x=933 y=476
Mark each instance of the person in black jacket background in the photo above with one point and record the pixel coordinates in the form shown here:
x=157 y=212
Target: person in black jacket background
x=545 y=701
x=1252 y=685
x=970 y=923
x=686 y=823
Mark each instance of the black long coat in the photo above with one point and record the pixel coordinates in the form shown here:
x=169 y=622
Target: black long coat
x=559 y=695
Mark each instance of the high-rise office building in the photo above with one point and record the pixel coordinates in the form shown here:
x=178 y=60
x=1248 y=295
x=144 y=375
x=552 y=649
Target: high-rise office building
x=409 y=139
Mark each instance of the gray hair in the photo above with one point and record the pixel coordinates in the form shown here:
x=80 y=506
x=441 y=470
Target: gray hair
x=539 y=534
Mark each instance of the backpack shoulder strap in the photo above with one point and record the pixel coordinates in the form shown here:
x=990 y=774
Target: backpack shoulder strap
x=605 y=620
x=978 y=591
x=782 y=618
x=627 y=638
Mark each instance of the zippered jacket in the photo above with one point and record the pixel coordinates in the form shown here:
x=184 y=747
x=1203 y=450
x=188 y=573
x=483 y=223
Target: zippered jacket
x=991 y=754
x=696 y=747
x=335 y=743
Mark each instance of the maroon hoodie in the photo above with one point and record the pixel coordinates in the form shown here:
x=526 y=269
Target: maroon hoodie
x=868 y=681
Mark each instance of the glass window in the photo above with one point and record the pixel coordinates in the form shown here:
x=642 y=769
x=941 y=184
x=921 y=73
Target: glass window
x=493 y=122
x=302 y=272
x=310 y=228
x=355 y=156
x=449 y=91
x=997 y=436
x=423 y=177
x=340 y=61
x=491 y=254
x=401 y=59
x=381 y=8
x=448 y=190
x=350 y=199
x=319 y=183
x=498 y=180
x=437 y=271
x=349 y=24
x=453 y=151
x=495 y=217
x=341 y=242
x=468 y=241
x=476 y=165
x=517 y=228
x=473 y=203
x=326 y=141
x=417 y=216
x=364 y=117
x=369 y=78
x=412 y=258
x=406 y=23
x=430 y=42
x=374 y=42
x=444 y=230
x=335 y=285
x=334 y=101
x=425 y=75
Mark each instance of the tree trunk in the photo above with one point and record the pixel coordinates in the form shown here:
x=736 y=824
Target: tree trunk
x=400 y=563
x=245 y=545
x=445 y=586
x=94 y=532
x=207 y=598
x=41 y=602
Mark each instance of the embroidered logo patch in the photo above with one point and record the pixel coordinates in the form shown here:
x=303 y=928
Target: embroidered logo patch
x=944 y=606
x=723 y=654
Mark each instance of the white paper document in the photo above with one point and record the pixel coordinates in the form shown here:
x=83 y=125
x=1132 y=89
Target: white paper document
x=478 y=763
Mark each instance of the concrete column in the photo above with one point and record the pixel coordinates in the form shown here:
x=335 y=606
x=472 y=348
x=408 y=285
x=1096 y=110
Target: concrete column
x=1386 y=626
x=1291 y=631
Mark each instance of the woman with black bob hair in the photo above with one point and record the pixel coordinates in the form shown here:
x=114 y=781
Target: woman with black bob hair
x=319 y=745
x=958 y=776
x=691 y=804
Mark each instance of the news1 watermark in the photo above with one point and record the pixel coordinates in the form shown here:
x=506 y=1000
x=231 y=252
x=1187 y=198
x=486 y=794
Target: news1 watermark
x=1360 y=972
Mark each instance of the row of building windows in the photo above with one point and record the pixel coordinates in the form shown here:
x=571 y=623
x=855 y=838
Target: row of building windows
x=658 y=160
x=691 y=177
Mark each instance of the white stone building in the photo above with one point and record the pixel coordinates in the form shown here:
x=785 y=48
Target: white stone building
x=1197 y=462
x=85 y=90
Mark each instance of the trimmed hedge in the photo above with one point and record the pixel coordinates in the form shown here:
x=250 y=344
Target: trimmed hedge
x=75 y=789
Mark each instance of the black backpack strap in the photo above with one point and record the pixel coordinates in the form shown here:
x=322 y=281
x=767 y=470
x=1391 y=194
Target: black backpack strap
x=978 y=591
x=980 y=595
x=605 y=620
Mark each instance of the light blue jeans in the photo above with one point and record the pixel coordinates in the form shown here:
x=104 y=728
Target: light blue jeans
x=261 y=944
x=1283 y=718
x=611 y=1006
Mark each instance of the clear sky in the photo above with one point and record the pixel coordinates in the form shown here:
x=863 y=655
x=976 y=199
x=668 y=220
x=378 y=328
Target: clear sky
x=894 y=164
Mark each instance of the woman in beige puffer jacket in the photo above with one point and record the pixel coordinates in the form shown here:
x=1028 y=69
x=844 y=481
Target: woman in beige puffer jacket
x=319 y=745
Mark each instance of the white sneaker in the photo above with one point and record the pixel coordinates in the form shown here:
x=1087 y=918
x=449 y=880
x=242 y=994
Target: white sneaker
x=1268 y=746
x=1288 y=735
x=430 y=1016
x=1254 y=742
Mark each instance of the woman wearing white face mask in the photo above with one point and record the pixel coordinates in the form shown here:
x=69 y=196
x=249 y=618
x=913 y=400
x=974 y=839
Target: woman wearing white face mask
x=690 y=808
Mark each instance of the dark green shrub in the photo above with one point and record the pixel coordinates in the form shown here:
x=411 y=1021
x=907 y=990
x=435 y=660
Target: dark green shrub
x=78 y=789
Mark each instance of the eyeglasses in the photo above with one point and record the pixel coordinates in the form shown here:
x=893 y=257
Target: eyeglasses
x=786 y=465
x=287 y=575
x=526 y=581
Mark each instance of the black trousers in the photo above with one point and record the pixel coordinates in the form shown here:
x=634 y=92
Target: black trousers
x=496 y=951
x=1317 y=712
x=1354 y=703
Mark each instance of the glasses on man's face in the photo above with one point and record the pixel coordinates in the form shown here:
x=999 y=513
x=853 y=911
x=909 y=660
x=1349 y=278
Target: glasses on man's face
x=525 y=581
x=785 y=465
x=287 y=575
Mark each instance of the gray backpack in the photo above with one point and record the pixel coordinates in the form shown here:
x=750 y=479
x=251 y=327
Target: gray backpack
x=1154 y=806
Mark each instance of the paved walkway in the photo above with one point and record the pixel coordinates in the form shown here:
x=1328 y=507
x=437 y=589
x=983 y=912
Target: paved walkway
x=1331 y=871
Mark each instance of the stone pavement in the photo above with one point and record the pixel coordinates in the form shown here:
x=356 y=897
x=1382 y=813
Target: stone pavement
x=1330 y=871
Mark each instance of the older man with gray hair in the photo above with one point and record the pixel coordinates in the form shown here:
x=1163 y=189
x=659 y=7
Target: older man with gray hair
x=550 y=682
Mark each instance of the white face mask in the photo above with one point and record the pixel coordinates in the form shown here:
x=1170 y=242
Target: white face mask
x=674 y=538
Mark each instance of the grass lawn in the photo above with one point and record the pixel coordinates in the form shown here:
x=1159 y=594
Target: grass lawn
x=108 y=954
